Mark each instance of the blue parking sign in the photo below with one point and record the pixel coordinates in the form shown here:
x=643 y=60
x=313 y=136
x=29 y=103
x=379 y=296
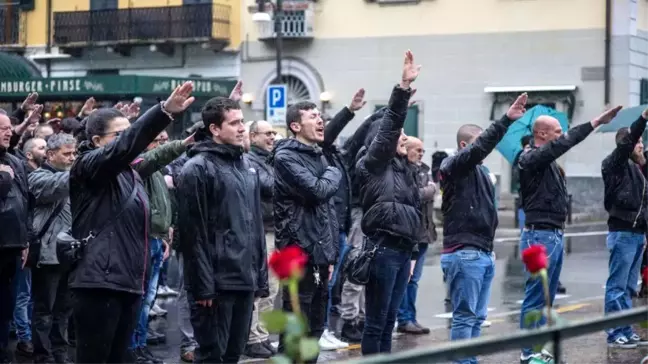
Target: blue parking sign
x=276 y=104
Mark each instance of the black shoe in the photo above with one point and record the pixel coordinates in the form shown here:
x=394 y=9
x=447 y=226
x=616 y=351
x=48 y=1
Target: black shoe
x=25 y=348
x=409 y=328
x=144 y=351
x=138 y=358
x=154 y=338
x=62 y=359
x=257 y=351
x=268 y=345
x=561 y=288
x=350 y=333
x=643 y=293
x=424 y=329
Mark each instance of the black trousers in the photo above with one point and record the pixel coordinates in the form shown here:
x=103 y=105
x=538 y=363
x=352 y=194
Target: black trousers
x=313 y=299
x=9 y=259
x=222 y=330
x=52 y=310
x=104 y=321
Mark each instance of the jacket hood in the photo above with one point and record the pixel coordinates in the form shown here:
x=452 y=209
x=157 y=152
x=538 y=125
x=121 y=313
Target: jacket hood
x=293 y=144
x=210 y=146
x=424 y=168
x=85 y=146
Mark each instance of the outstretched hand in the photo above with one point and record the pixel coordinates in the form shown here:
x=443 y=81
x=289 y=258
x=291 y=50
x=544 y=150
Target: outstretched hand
x=180 y=98
x=358 y=101
x=30 y=102
x=237 y=92
x=410 y=70
x=518 y=108
x=607 y=116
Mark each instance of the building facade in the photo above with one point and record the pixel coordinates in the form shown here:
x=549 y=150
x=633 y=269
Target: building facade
x=119 y=49
x=477 y=55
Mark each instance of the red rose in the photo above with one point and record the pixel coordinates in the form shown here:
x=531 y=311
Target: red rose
x=644 y=275
x=535 y=258
x=288 y=262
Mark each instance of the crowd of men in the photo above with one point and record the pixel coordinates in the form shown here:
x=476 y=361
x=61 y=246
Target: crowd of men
x=92 y=206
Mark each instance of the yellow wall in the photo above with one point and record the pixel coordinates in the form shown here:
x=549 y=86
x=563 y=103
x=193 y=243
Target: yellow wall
x=34 y=23
x=356 y=18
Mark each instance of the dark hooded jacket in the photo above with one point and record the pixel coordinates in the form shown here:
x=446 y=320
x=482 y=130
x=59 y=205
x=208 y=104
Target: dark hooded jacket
x=389 y=193
x=16 y=205
x=626 y=193
x=220 y=222
x=304 y=211
x=259 y=160
x=543 y=190
x=101 y=182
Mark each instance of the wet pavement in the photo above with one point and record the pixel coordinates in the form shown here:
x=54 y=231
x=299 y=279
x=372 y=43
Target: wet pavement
x=584 y=274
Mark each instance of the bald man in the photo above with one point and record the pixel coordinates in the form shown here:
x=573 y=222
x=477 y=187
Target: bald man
x=407 y=322
x=469 y=224
x=545 y=202
x=626 y=201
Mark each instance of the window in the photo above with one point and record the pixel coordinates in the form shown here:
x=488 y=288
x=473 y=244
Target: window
x=103 y=4
x=195 y=2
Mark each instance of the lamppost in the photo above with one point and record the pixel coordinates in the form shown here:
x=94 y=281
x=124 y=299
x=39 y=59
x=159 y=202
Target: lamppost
x=262 y=17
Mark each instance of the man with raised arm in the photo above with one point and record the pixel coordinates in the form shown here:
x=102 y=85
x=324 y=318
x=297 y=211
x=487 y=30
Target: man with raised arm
x=544 y=198
x=469 y=224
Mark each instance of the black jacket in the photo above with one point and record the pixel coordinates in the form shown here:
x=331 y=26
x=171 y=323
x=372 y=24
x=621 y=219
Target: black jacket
x=468 y=204
x=259 y=160
x=101 y=180
x=543 y=191
x=626 y=193
x=304 y=211
x=336 y=158
x=220 y=222
x=358 y=141
x=16 y=205
x=389 y=194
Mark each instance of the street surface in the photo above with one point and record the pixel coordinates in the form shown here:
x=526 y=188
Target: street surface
x=584 y=274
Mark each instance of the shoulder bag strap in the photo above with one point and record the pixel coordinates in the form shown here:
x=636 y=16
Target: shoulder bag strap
x=50 y=220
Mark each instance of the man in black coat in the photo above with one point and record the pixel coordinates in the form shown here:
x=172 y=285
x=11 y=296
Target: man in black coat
x=626 y=200
x=222 y=237
x=304 y=210
x=544 y=197
x=16 y=218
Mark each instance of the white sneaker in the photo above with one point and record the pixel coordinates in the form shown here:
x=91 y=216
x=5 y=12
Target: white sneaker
x=333 y=339
x=486 y=323
x=165 y=291
x=326 y=345
x=157 y=311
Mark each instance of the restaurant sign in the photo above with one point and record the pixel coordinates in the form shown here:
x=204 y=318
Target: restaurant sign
x=126 y=85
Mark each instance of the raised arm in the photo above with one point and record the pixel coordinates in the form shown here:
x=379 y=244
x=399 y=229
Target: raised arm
x=546 y=154
x=383 y=147
x=342 y=118
x=303 y=182
x=193 y=192
x=49 y=187
x=106 y=162
x=470 y=156
x=157 y=158
x=626 y=146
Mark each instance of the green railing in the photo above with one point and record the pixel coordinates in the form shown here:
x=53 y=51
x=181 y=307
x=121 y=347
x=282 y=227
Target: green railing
x=488 y=345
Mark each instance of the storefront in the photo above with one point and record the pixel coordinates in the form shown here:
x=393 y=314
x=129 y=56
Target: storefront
x=64 y=97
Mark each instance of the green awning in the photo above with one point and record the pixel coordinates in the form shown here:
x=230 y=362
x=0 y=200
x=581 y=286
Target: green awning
x=14 y=66
x=116 y=86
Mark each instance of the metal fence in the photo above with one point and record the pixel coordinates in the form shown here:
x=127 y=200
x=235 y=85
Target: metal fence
x=488 y=345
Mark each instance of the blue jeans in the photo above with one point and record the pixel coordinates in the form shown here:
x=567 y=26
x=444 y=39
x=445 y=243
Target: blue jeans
x=407 y=310
x=533 y=292
x=344 y=249
x=23 y=310
x=626 y=250
x=468 y=274
x=384 y=293
x=521 y=219
x=141 y=329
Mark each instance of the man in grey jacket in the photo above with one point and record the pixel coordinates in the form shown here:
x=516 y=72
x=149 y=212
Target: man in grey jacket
x=49 y=185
